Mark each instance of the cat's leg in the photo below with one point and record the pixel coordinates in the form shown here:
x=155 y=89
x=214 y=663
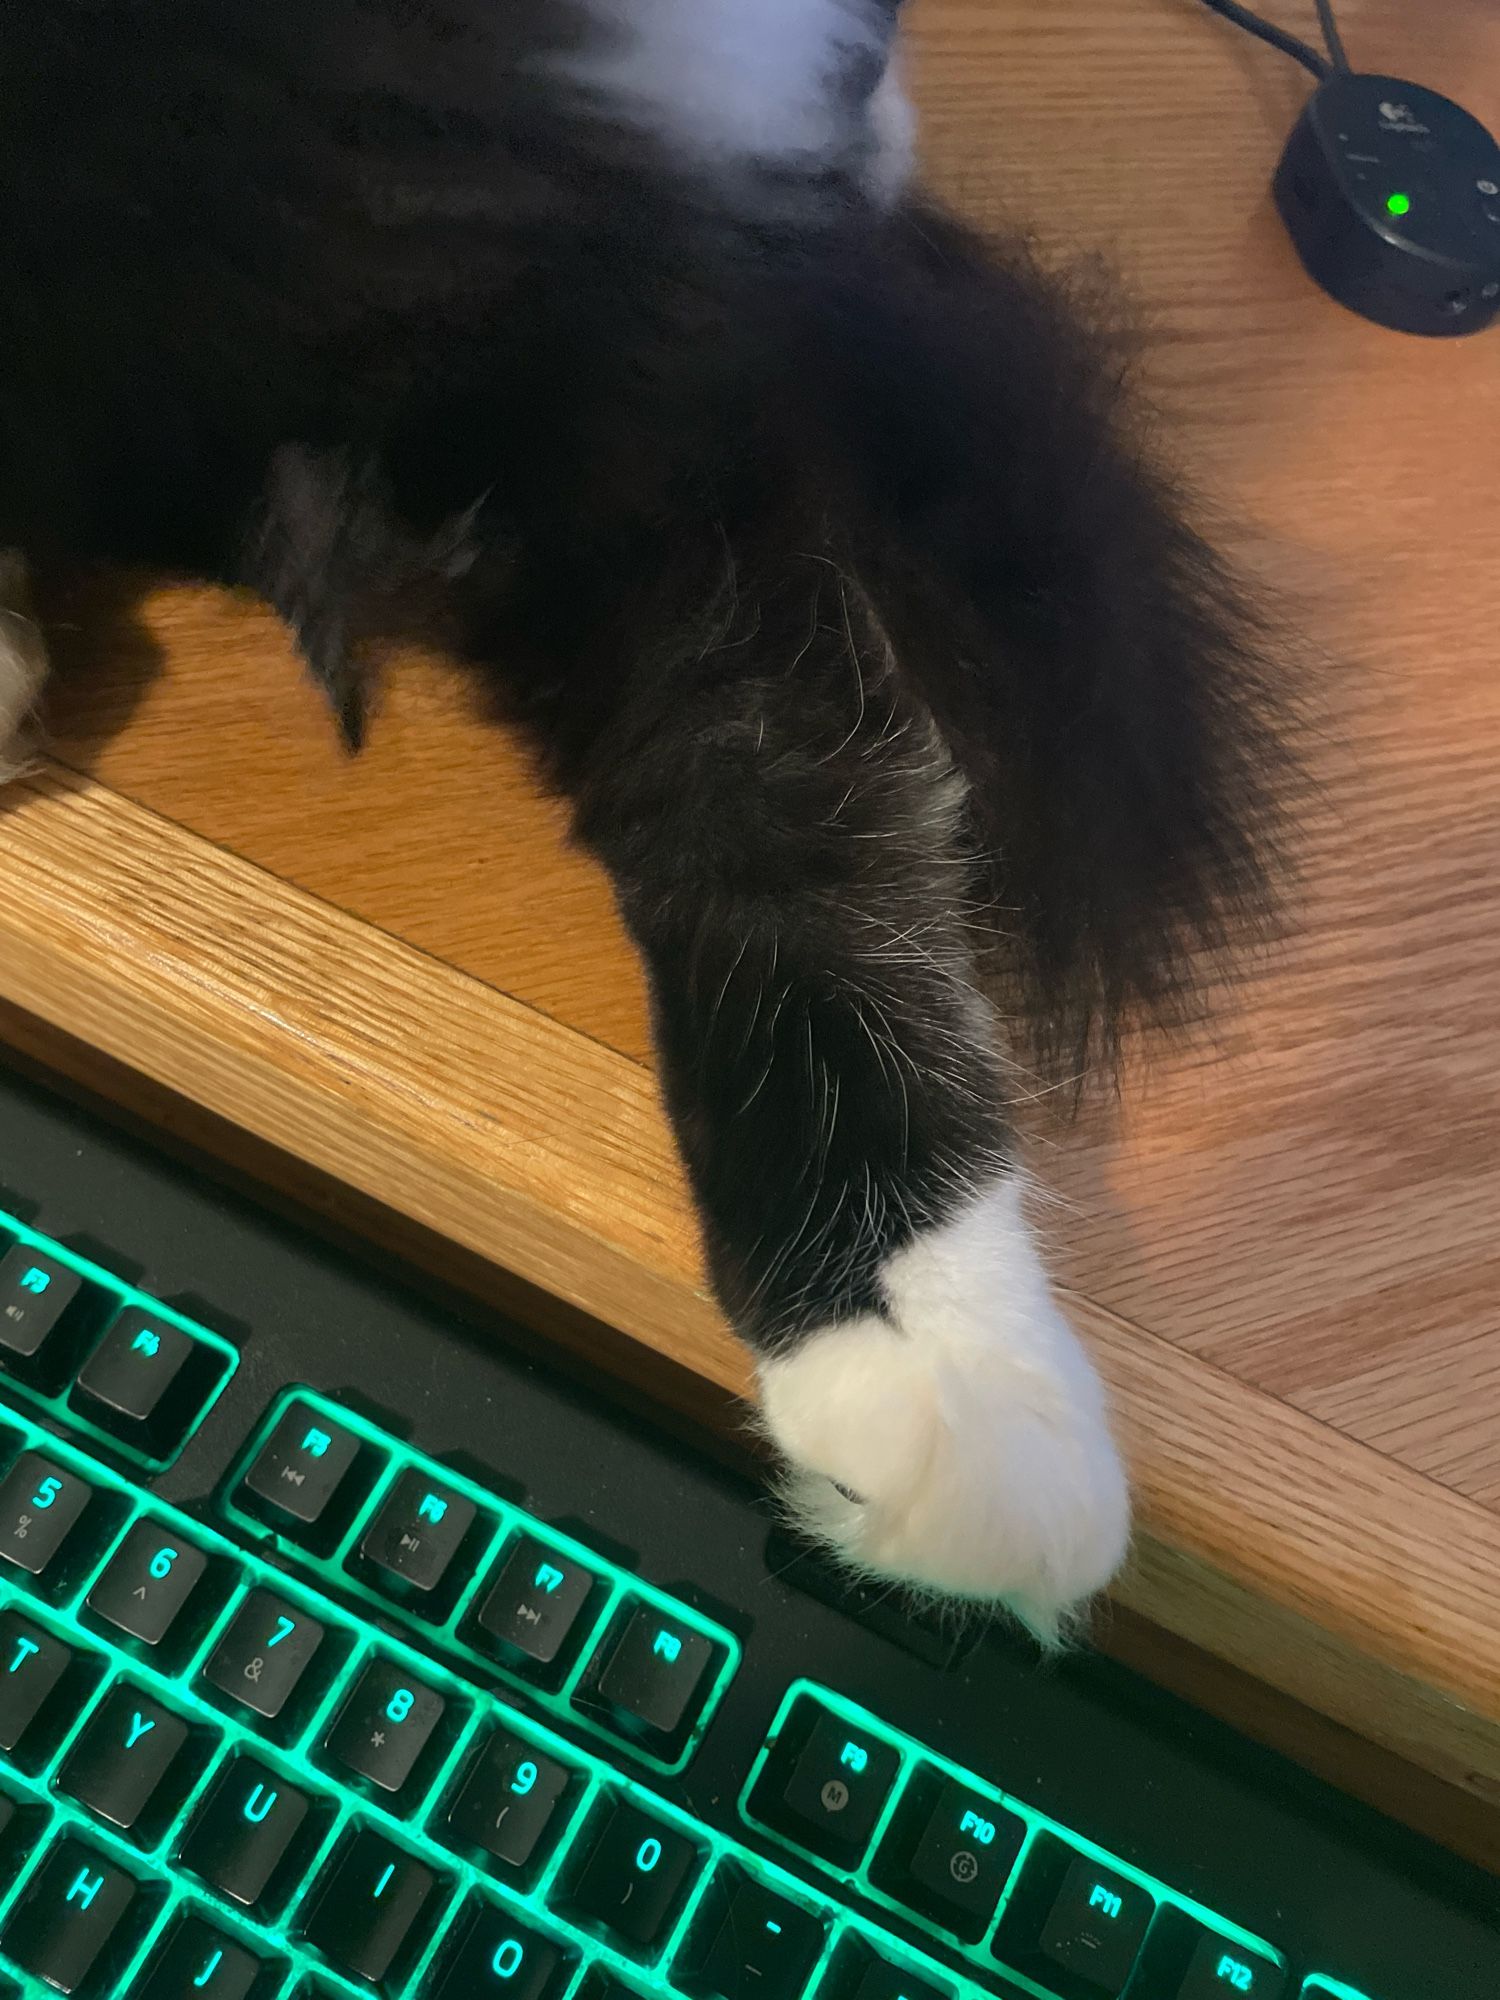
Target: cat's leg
x=786 y=846
x=23 y=665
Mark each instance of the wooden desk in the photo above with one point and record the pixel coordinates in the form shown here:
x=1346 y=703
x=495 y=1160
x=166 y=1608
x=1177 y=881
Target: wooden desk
x=392 y=978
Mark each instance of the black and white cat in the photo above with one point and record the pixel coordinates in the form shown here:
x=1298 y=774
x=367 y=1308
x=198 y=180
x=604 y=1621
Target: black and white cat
x=807 y=538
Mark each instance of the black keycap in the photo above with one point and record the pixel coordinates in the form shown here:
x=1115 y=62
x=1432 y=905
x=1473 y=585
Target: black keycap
x=497 y=1954
x=634 y=1876
x=147 y=1581
x=21 y=1827
x=655 y=1679
x=510 y=1803
x=146 y=1382
x=302 y=1479
x=950 y=1855
x=128 y=1758
x=533 y=1617
x=40 y=1302
x=825 y=1784
x=198 y=1961
x=413 y=1540
x=385 y=1725
x=1095 y=1928
x=264 y=1656
x=41 y=1503
x=250 y=1835
x=373 y=1910
x=76 y=1919
x=750 y=1944
x=1219 y=1970
x=33 y=1668
x=878 y=1979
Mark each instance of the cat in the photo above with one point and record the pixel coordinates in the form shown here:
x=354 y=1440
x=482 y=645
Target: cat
x=810 y=540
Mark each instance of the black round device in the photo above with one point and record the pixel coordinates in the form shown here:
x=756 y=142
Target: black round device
x=1391 y=192
x=1392 y=197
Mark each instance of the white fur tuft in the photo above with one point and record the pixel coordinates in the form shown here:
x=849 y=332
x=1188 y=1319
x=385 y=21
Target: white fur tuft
x=963 y=1444
x=23 y=666
x=749 y=80
x=893 y=125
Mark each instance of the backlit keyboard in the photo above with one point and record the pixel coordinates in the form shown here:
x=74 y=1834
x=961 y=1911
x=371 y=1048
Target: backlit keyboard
x=357 y=1720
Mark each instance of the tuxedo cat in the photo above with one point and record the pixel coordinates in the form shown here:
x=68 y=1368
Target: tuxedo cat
x=810 y=541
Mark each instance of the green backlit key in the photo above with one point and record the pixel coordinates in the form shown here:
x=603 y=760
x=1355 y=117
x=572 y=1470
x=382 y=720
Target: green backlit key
x=824 y=1785
x=949 y=1853
x=39 y=1300
x=145 y=1382
x=304 y=1476
x=373 y=1909
x=262 y=1659
x=198 y=1961
x=653 y=1677
x=413 y=1540
x=1219 y=1970
x=127 y=1766
x=249 y=1835
x=77 y=1918
x=34 y=1665
x=749 y=1943
x=494 y=1954
x=508 y=1806
x=147 y=1582
x=385 y=1726
x=41 y=1504
x=533 y=1615
x=1095 y=1929
x=634 y=1876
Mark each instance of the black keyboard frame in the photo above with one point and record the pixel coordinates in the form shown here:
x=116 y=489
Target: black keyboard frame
x=1334 y=1885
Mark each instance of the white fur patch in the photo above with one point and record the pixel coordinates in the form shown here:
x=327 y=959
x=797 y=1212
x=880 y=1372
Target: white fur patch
x=747 y=79
x=23 y=665
x=971 y=1426
x=893 y=123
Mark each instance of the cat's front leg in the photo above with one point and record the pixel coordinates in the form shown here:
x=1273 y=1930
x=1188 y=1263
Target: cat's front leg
x=787 y=851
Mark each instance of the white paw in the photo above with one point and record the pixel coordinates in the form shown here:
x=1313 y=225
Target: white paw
x=23 y=666
x=962 y=1445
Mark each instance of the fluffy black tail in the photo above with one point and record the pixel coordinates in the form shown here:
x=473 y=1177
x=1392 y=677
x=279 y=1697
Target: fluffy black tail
x=1100 y=677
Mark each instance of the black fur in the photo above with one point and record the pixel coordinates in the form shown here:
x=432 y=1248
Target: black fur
x=768 y=514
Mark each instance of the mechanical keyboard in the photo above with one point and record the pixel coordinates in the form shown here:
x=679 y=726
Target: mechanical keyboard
x=344 y=1651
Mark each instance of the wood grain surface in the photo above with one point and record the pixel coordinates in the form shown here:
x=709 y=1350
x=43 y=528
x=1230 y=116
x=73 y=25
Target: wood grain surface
x=1287 y=1247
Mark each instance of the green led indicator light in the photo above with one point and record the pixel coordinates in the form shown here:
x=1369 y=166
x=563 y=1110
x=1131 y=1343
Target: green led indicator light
x=1398 y=204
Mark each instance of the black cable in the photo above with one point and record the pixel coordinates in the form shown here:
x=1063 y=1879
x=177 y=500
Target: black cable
x=1331 y=34
x=1279 y=38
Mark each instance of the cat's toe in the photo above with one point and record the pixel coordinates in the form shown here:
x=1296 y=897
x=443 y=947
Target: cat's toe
x=962 y=1443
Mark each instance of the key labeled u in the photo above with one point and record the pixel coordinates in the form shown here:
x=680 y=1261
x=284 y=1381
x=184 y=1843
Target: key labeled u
x=259 y=1804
